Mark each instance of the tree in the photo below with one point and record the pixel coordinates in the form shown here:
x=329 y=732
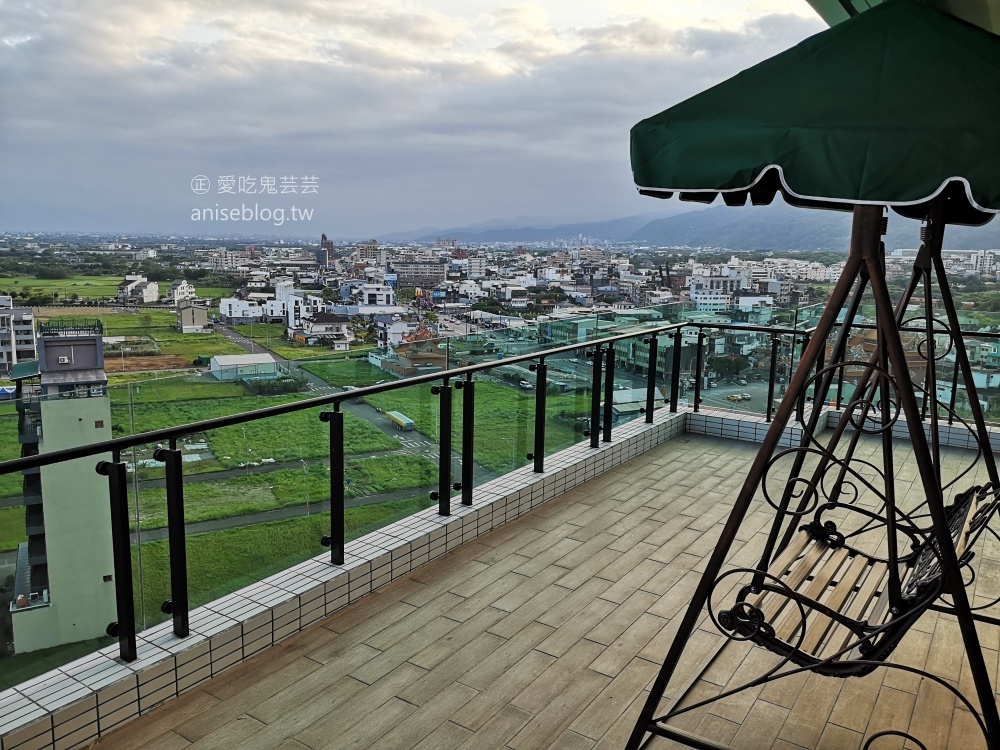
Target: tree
x=728 y=367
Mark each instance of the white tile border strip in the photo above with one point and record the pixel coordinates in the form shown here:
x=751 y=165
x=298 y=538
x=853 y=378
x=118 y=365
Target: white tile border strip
x=72 y=705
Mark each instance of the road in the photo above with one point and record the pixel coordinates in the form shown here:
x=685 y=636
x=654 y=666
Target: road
x=249 y=345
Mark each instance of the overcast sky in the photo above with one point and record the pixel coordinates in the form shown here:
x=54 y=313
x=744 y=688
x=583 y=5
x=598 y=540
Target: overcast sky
x=407 y=114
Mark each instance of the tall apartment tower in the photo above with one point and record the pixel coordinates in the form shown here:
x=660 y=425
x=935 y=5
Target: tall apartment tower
x=64 y=589
x=325 y=256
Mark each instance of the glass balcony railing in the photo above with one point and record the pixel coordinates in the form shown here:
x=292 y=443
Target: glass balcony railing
x=212 y=481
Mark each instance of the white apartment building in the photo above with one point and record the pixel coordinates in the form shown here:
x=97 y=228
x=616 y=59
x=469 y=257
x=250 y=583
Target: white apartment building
x=477 y=267
x=298 y=302
x=235 y=311
x=513 y=296
x=138 y=290
x=17 y=334
x=380 y=295
x=179 y=291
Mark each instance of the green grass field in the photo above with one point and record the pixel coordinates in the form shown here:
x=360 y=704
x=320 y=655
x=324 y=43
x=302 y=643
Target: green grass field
x=356 y=372
x=223 y=561
x=149 y=390
x=254 y=493
x=272 y=337
x=287 y=438
x=504 y=420
x=160 y=326
x=10 y=484
x=91 y=287
x=219 y=562
x=11 y=528
x=215 y=292
x=87 y=287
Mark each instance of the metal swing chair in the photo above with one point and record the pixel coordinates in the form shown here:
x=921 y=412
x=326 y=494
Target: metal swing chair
x=895 y=107
x=824 y=602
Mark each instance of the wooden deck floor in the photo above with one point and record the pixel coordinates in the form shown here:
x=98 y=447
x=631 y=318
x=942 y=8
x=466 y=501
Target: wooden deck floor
x=547 y=632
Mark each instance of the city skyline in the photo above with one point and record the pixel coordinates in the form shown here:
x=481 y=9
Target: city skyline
x=390 y=114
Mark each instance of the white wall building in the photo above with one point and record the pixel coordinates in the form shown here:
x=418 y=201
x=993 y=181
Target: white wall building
x=179 y=291
x=17 y=333
x=236 y=311
x=138 y=290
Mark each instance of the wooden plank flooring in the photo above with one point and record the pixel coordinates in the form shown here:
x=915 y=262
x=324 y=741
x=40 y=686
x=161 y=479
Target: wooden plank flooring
x=547 y=633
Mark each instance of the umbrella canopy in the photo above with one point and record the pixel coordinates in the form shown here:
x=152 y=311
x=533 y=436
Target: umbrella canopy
x=984 y=13
x=891 y=107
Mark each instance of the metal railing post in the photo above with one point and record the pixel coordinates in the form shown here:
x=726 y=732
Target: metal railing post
x=699 y=364
x=651 y=377
x=124 y=627
x=177 y=605
x=775 y=342
x=609 y=391
x=954 y=393
x=336 y=541
x=468 y=388
x=675 y=374
x=443 y=494
x=840 y=387
x=595 y=398
x=805 y=343
x=541 y=371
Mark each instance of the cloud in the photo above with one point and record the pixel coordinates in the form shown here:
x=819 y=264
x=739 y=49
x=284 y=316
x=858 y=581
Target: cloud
x=409 y=115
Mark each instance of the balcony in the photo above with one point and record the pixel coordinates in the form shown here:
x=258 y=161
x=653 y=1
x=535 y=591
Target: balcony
x=533 y=617
x=545 y=632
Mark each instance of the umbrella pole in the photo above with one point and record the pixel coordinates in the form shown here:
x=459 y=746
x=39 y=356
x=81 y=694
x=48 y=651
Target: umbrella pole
x=889 y=337
x=865 y=260
x=817 y=344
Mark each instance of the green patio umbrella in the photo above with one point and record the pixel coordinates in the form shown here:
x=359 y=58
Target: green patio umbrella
x=984 y=13
x=896 y=106
x=887 y=108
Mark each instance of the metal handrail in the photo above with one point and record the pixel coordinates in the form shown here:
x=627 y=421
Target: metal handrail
x=172 y=433
x=602 y=351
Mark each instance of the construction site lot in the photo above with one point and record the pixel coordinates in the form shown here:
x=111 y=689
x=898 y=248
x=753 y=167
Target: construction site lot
x=147 y=363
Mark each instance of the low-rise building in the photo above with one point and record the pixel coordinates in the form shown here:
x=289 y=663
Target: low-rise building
x=243 y=367
x=138 y=290
x=239 y=311
x=191 y=318
x=17 y=334
x=323 y=329
x=180 y=291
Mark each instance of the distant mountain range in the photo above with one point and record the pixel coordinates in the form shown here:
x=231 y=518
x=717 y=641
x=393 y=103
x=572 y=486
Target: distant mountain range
x=524 y=229
x=775 y=227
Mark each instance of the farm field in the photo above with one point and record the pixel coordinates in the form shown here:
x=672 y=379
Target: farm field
x=356 y=372
x=86 y=287
x=254 y=493
x=10 y=484
x=91 y=287
x=159 y=325
x=504 y=420
x=271 y=336
x=11 y=529
x=147 y=389
x=224 y=561
x=291 y=437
